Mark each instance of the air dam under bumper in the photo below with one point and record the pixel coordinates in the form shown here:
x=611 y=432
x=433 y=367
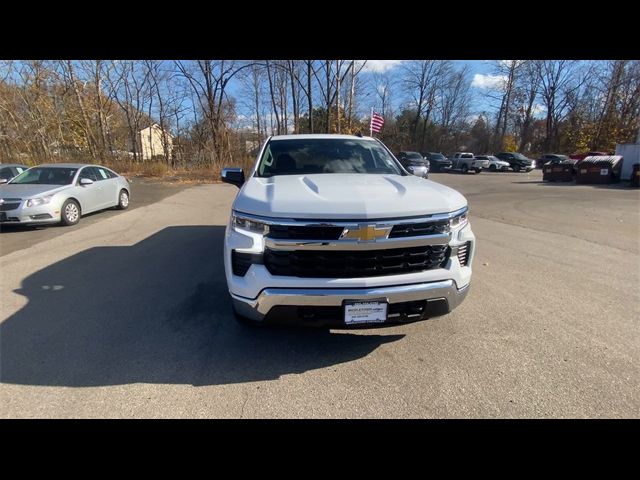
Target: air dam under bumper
x=258 y=308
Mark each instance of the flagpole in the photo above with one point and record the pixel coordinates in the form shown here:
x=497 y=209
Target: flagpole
x=371 y=124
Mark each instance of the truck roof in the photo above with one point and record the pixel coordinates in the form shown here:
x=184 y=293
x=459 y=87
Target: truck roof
x=308 y=136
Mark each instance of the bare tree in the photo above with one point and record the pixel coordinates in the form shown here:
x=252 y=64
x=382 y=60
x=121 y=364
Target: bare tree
x=559 y=82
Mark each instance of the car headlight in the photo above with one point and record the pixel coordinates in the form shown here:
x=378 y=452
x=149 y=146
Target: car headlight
x=34 y=202
x=459 y=220
x=242 y=223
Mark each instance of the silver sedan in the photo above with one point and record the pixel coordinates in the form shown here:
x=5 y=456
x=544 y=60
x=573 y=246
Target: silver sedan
x=61 y=192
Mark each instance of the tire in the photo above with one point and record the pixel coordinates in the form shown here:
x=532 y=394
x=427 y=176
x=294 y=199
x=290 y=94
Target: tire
x=123 y=200
x=70 y=213
x=465 y=169
x=516 y=168
x=492 y=168
x=478 y=170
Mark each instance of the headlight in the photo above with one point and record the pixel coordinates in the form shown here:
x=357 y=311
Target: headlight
x=459 y=220
x=242 y=223
x=34 y=202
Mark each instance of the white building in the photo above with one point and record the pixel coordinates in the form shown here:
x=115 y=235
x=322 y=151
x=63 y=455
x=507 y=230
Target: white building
x=150 y=142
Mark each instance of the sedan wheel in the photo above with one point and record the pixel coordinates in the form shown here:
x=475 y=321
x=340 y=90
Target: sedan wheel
x=70 y=214
x=123 y=200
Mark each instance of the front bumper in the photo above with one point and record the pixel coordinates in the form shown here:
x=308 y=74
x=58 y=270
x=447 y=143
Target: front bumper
x=444 y=296
x=24 y=215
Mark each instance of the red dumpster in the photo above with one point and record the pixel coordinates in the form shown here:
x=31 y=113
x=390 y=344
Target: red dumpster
x=635 y=175
x=559 y=172
x=599 y=169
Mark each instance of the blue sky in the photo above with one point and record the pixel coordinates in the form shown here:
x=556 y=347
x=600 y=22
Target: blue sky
x=480 y=76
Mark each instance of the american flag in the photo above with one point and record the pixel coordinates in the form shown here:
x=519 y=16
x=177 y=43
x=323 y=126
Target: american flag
x=377 y=121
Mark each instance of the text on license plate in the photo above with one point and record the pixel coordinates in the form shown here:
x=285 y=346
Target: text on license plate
x=365 y=311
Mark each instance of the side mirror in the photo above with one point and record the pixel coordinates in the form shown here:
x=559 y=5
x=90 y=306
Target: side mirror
x=86 y=181
x=3 y=180
x=234 y=176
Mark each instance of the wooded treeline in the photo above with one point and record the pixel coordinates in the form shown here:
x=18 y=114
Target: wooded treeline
x=218 y=111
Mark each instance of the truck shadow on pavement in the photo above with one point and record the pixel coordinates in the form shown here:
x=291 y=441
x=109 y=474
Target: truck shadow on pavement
x=154 y=312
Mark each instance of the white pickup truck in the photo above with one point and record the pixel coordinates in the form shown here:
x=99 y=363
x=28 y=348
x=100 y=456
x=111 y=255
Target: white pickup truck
x=330 y=230
x=465 y=161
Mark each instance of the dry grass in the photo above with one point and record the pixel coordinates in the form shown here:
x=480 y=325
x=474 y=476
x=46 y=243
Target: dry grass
x=158 y=170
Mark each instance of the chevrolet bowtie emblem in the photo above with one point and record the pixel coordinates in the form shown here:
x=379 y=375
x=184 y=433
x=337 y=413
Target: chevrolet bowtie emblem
x=366 y=233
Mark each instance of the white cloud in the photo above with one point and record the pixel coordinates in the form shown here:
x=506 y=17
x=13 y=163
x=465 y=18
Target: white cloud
x=538 y=108
x=488 y=81
x=381 y=66
x=508 y=63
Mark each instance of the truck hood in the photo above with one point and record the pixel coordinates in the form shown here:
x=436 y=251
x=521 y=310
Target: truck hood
x=11 y=190
x=345 y=196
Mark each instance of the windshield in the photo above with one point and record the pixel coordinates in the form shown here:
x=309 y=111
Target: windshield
x=46 y=176
x=436 y=156
x=414 y=156
x=519 y=156
x=325 y=155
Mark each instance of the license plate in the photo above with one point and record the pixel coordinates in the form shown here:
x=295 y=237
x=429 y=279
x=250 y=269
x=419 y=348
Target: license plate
x=368 y=311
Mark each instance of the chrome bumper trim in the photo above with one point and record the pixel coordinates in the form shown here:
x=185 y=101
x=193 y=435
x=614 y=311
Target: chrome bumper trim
x=257 y=308
x=387 y=243
x=351 y=222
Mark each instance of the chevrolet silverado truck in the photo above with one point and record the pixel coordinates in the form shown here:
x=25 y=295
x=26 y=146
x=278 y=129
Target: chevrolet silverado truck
x=465 y=161
x=330 y=230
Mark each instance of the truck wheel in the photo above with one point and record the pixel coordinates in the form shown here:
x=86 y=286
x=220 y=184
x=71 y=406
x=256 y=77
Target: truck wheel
x=465 y=169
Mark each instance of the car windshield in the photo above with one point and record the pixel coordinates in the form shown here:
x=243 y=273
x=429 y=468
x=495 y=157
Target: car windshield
x=46 y=176
x=492 y=158
x=325 y=155
x=519 y=156
x=436 y=156
x=414 y=156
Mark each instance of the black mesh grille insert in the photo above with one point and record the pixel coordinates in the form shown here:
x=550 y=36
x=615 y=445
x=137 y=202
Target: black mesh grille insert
x=5 y=207
x=419 y=229
x=353 y=264
x=240 y=262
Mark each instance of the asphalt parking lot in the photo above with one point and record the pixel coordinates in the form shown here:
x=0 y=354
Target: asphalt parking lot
x=127 y=315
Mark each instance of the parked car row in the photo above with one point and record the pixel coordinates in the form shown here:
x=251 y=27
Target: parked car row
x=59 y=193
x=422 y=163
